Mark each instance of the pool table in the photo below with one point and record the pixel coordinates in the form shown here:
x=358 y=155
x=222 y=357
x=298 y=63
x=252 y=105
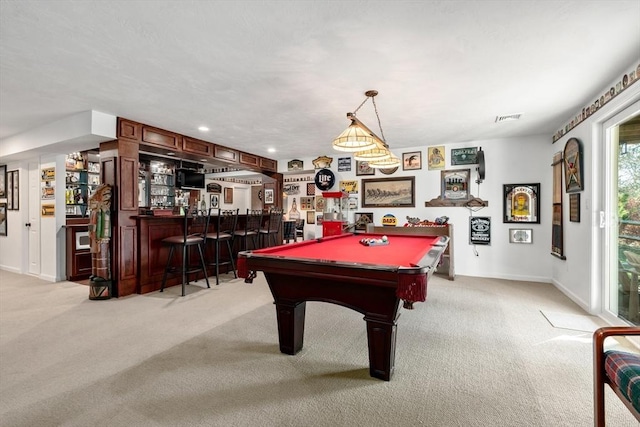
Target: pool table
x=372 y=280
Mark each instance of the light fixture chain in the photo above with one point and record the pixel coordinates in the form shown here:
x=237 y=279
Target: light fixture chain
x=363 y=102
x=375 y=107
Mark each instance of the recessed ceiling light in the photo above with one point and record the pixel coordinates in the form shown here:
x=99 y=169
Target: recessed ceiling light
x=203 y=129
x=271 y=150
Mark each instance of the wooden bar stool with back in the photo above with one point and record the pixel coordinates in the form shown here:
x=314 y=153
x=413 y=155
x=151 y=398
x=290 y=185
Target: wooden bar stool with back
x=193 y=234
x=269 y=232
x=225 y=222
x=251 y=229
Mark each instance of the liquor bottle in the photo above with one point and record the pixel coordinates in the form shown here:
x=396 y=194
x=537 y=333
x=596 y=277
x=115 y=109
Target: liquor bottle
x=293 y=213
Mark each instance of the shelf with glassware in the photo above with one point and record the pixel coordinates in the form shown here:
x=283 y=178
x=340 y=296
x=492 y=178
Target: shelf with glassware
x=156 y=185
x=76 y=192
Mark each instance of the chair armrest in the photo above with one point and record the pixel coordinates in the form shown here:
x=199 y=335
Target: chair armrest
x=599 y=375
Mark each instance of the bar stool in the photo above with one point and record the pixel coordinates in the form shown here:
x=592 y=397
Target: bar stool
x=269 y=233
x=193 y=232
x=289 y=230
x=299 y=229
x=226 y=222
x=251 y=229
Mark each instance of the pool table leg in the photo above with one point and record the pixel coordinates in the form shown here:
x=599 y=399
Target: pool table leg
x=381 y=335
x=290 y=325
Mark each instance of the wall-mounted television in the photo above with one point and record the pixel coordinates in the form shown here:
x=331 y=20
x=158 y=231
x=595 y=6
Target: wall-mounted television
x=188 y=178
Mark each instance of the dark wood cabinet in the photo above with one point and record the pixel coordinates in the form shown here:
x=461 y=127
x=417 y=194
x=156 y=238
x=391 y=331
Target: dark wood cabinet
x=129 y=130
x=268 y=164
x=249 y=160
x=78 y=265
x=224 y=153
x=161 y=138
x=195 y=146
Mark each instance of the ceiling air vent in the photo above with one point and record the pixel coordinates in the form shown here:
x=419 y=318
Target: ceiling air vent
x=508 y=117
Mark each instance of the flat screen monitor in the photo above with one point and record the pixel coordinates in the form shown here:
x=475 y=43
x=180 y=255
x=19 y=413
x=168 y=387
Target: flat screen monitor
x=187 y=178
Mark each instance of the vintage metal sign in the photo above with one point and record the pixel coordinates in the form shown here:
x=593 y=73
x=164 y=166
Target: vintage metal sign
x=464 y=156
x=480 y=230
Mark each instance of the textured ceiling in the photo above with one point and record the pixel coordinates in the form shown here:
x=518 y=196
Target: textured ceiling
x=284 y=74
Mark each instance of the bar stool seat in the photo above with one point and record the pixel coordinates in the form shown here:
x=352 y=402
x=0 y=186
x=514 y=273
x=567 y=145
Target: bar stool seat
x=226 y=222
x=194 y=231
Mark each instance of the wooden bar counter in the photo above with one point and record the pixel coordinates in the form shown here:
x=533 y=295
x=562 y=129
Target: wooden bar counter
x=153 y=254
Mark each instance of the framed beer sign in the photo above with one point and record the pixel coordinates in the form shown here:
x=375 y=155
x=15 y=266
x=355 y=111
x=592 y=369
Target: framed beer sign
x=522 y=203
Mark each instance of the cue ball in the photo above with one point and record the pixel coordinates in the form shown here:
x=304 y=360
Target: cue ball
x=385 y=238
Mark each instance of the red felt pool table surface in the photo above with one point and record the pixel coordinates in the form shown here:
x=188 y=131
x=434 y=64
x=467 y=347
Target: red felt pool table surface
x=402 y=251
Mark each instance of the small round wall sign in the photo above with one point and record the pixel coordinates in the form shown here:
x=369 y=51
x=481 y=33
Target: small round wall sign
x=325 y=179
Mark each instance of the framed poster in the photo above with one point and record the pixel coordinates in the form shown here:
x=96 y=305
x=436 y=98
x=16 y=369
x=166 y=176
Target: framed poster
x=3 y=219
x=363 y=168
x=307 y=203
x=480 y=230
x=214 y=201
x=311 y=217
x=573 y=166
x=521 y=203
x=412 y=161
x=362 y=219
x=344 y=164
x=48 y=209
x=520 y=235
x=228 y=195
x=9 y=193
x=3 y=181
x=455 y=184
x=574 y=207
x=388 y=192
x=268 y=196
x=436 y=157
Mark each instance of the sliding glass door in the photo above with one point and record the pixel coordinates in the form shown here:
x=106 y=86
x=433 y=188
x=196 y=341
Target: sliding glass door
x=623 y=209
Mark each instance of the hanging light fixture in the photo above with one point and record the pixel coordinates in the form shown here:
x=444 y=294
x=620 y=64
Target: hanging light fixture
x=366 y=145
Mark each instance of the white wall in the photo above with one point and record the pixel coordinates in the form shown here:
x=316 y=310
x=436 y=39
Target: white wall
x=47 y=146
x=580 y=276
x=508 y=161
x=13 y=245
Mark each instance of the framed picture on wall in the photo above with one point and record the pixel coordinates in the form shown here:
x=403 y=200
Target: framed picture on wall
x=214 y=201
x=362 y=219
x=268 y=196
x=228 y=195
x=311 y=217
x=520 y=235
x=3 y=181
x=388 y=192
x=521 y=203
x=3 y=219
x=412 y=161
x=455 y=184
x=363 y=168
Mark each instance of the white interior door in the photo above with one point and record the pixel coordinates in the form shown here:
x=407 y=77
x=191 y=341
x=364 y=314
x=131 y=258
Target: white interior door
x=33 y=225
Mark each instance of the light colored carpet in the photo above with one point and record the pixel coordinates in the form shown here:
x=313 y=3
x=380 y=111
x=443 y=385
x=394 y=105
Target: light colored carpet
x=477 y=353
x=576 y=322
